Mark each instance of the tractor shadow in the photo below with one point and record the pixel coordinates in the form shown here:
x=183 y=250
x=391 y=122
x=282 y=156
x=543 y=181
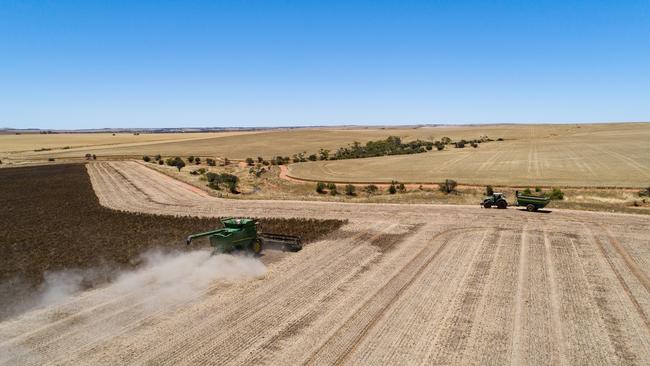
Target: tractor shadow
x=538 y=211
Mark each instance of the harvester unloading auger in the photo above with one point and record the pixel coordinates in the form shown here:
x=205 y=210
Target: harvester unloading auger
x=242 y=234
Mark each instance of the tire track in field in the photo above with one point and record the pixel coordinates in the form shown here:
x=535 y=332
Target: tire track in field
x=421 y=308
x=375 y=306
x=516 y=358
x=614 y=332
x=456 y=327
x=558 y=336
x=632 y=266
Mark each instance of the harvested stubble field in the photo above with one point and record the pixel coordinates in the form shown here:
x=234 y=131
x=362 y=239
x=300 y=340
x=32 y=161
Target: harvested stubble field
x=589 y=156
x=54 y=222
x=240 y=145
x=398 y=284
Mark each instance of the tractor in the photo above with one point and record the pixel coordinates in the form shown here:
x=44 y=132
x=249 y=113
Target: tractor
x=496 y=199
x=243 y=234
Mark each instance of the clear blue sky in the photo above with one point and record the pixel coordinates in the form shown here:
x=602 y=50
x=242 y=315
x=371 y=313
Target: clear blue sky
x=86 y=64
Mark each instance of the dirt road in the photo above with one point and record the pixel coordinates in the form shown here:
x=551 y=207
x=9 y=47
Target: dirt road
x=400 y=284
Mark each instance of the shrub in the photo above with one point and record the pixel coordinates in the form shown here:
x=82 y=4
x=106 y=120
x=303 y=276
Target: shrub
x=500 y=139
x=332 y=189
x=644 y=192
x=211 y=162
x=145 y=158
x=214 y=185
x=260 y=159
x=527 y=192
x=320 y=187
x=474 y=145
x=460 y=144
x=160 y=162
x=440 y=146
x=370 y=189
x=401 y=188
x=350 y=190
x=190 y=158
x=312 y=157
x=157 y=157
x=537 y=189
x=94 y=157
x=448 y=186
x=88 y=156
x=556 y=194
x=489 y=190
x=250 y=161
x=226 y=161
x=392 y=189
x=197 y=160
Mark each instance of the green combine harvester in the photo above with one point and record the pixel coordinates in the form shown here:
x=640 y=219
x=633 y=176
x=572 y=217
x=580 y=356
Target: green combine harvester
x=243 y=234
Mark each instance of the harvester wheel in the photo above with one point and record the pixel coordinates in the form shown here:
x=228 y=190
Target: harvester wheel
x=256 y=246
x=530 y=207
x=487 y=205
x=502 y=204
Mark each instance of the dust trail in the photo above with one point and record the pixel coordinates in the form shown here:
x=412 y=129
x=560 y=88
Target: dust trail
x=162 y=282
x=166 y=278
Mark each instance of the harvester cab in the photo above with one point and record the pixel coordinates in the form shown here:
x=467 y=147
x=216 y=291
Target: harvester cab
x=496 y=199
x=244 y=234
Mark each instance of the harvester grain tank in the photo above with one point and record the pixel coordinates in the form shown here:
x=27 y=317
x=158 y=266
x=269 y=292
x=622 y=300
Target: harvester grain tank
x=244 y=234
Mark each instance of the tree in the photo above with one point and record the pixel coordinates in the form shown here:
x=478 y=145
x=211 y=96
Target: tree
x=527 y=192
x=445 y=140
x=180 y=164
x=401 y=187
x=324 y=154
x=197 y=160
x=320 y=187
x=226 y=162
x=250 y=161
x=211 y=162
x=370 y=189
x=260 y=159
x=332 y=189
x=448 y=186
x=94 y=157
x=392 y=189
x=160 y=162
x=88 y=156
x=350 y=190
x=157 y=157
x=313 y=157
x=190 y=158
x=489 y=190
x=146 y=158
